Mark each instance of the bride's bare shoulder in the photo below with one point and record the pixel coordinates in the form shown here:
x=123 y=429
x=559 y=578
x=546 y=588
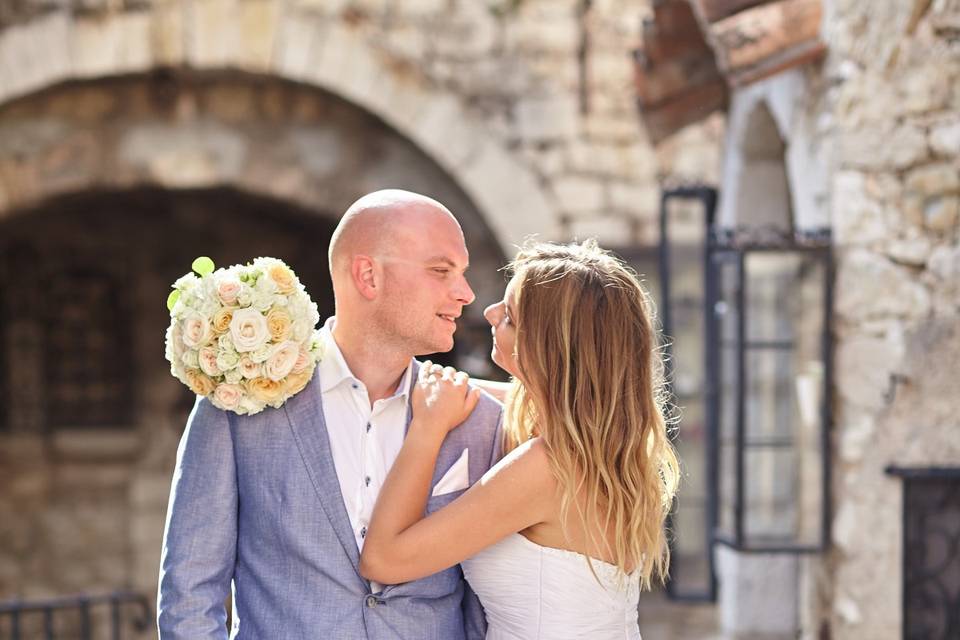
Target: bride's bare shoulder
x=529 y=462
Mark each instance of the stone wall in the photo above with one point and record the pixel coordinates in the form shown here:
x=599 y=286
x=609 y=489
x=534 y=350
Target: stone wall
x=895 y=116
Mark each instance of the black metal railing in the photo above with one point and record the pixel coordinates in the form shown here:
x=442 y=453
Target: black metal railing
x=74 y=616
x=931 y=552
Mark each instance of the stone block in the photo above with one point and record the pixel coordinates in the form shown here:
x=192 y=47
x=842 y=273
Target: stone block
x=609 y=231
x=34 y=55
x=167 y=34
x=941 y=214
x=294 y=54
x=902 y=147
x=858 y=218
x=865 y=365
x=934 y=179
x=534 y=35
x=258 y=22
x=117 y=43
x=640 y=198
x=577 y=194
x=546 y=118
x=945 y=139
x=925 y=89
x=870 y=286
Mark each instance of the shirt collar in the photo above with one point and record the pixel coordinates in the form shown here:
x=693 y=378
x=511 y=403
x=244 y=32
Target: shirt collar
x=334 y=370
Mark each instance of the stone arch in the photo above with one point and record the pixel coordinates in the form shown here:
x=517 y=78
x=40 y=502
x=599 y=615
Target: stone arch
x=294 y=44
x=774 y=172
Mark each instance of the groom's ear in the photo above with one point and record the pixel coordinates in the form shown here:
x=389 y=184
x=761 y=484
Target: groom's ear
x=366 y=278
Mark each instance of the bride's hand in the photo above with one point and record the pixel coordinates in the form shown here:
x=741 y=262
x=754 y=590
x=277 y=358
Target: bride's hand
x=442 y=398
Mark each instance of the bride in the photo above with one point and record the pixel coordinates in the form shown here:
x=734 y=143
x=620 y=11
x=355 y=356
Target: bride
x=559 y=537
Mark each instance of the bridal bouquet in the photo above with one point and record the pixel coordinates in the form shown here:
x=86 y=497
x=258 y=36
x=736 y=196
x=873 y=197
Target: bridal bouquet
x=245 y=336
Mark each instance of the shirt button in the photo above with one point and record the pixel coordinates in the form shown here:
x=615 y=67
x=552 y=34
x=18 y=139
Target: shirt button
x=355 y=385
x=371 y=601
x=368 y=427
x=363 y=532
x=367 y=481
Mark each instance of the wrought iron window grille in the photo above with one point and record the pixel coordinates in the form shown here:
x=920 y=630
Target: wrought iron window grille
x=930 y=552
x=75 y=616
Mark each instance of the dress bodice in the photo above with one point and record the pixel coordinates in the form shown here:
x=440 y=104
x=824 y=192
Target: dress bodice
x=531 y=592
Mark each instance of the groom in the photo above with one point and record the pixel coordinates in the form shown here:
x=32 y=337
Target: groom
x=278 y=503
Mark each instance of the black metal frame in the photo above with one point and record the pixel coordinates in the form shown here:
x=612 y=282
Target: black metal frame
x=16 y=609
x=707 y=196
x=737 y=244
x=915 y=577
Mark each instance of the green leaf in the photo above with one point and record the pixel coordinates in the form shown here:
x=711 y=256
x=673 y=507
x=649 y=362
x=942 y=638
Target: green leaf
x=203 y=266
x=172 y=299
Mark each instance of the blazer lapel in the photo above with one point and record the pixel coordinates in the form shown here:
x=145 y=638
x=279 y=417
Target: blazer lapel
x=305 y=414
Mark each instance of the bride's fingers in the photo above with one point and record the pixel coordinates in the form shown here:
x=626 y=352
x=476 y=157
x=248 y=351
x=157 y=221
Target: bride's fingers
x=449 y=373
x=473 y=397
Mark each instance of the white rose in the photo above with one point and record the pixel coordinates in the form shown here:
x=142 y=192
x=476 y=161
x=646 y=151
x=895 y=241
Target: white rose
x=249 y=330
x=196 y=330
x=282 y=361
x=228 y=396
x=301 y=330
x=225 y=342
x=227 y=360
x=262 y=354
x=233 y=376
x=261 y=301
x=190 y=359
x=208 y=361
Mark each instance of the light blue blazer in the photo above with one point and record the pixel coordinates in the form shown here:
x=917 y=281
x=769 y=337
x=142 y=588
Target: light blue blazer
x=255 y=501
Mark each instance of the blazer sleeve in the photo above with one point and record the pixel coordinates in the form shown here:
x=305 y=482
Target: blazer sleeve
x=200 y=536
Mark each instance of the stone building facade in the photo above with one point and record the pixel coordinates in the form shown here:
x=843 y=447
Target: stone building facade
x=135 y=136
x=863 y=142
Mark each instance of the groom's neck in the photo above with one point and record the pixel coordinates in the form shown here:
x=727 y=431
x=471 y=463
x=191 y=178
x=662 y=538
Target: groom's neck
x=378 y=366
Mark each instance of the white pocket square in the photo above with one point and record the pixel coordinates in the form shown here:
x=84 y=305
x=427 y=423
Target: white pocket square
x=456 y=478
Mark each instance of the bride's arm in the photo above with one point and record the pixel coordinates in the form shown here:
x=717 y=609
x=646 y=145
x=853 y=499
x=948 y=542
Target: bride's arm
x=402 y=545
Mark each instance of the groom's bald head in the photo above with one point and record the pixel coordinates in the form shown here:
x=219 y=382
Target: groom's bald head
x=378 y=223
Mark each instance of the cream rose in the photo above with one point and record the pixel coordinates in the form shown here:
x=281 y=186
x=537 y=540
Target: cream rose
x=198 y=382
x=279 y=324
x=233 y=376
x=208 y=361
x=228 y=396
x=283 y=277
x=281 y=361
x=249 y=331
x=221 y=321
x=265 y=390
x=195 y=330
x=296 y=381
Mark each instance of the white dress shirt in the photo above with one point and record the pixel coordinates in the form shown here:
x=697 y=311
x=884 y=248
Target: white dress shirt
x=364 y=440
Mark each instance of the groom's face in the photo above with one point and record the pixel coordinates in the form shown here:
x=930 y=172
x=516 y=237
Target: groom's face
x=426 y=288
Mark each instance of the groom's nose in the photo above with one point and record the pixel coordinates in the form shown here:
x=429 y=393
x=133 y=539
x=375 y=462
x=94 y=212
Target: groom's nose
x=463 y=292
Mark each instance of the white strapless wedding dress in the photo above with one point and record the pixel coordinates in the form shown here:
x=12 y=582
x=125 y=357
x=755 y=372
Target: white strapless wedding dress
x=537 y=593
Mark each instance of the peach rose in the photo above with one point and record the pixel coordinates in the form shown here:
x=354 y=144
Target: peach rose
x=265 y=390
x=279 y=324
x=221 y=321
x=303 y=359
x=195 y=330
x=283 y=277
x=228 y=396
x=228 y=290
x=249 y=368
x=208 y=362
x=198 y=382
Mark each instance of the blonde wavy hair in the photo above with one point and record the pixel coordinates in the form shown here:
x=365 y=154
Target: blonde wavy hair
x=590 y=384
